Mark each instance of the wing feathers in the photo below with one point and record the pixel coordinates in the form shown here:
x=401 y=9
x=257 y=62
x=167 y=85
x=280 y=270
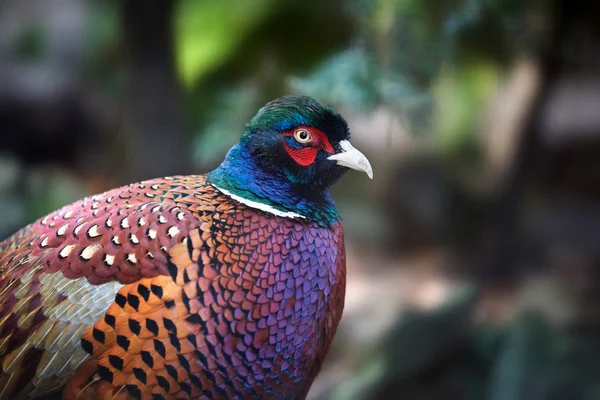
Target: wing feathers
x=13 y=360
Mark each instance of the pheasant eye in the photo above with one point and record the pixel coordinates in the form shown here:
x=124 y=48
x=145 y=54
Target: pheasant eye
x=302 y=136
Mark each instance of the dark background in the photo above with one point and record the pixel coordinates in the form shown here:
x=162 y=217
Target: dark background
x=473 y=256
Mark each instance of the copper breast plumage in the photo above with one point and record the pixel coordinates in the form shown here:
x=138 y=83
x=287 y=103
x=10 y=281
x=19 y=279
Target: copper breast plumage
x=168 y=289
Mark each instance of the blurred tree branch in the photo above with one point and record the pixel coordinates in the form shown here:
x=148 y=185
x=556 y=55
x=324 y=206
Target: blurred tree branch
x=156 y=131
x=499 y=263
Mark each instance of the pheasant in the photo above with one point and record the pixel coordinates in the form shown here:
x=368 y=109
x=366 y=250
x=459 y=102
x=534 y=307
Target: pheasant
x=228 y=285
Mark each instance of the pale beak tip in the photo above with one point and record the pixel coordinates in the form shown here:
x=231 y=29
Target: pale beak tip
x=352 y=158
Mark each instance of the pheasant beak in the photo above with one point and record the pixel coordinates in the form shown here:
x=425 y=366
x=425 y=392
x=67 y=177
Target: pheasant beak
x=351 y=158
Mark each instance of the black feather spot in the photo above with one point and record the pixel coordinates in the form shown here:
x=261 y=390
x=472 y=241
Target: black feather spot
x=163 y=383
x=170 y=303
x=134 y=327
x=196 y=381
x=116 y=362
x=184 y=363
x=123 y=342
x=219 y=336
x=120 y=300
x=98 y=335
x=87 y=346
x=171 y=371
x=133 y=301
x=105 y=374
x=209 y=394
x=202 y=358
x=169 y=325
x=160 y=348
x=186 y=302
x=190 y=245
x=140 y=375
x=221 y=391
x=174 y=341
x=172 y=269
x=228 y=358
x=228 y=381
x=210 y=376
x=147 y=358
x=152 y=326
x=192 y=339
x=157 y=290
x=203 y=325
x=134 y=391
x=211 y=348
x=144 y=292
x=193 y=319
x=186 y=388
x=110 y=320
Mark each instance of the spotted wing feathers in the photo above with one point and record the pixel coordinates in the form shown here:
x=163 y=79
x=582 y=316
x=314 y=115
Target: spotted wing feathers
x=59 y=275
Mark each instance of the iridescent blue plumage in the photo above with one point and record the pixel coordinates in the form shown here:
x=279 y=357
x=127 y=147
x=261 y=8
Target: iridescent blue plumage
x=259 y=169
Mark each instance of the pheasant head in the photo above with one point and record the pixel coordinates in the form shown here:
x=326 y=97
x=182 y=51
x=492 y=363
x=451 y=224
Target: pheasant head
x=292 y=151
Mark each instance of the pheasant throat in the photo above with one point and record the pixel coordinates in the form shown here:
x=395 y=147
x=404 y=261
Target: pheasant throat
x=259 y=206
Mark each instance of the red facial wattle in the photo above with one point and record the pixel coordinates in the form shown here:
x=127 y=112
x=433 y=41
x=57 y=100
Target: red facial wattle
x=307 y=154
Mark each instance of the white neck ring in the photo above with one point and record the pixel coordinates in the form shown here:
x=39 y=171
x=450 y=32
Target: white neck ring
x=260 y=206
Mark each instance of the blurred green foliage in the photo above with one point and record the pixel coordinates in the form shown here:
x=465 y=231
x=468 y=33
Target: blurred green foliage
x=30 y=44
x=461 y=96
x=538 y=361
x=208 y=32
x=446 y=354
x=103 y=60
x=434 y=64
x=233 y=108
x=354 y=79
x=51 y=190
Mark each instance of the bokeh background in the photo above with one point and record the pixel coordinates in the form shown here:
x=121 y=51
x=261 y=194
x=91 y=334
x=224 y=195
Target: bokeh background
x=473 y=256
